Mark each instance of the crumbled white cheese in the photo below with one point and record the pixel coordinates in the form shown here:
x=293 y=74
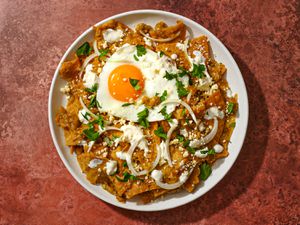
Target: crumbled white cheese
x=94 y=163
x=111 y=167
x=201 y=155
x=180 y=46
x=201 y=127
x=66 y=89
x=157 y=175
x=195 y=143
x=185 y=154
x=104 y=45
x=174 y=56
x=111 y=35
x=184 y=133
x=90 y=78
x=134 y=134
x=183 y=177
x=204 y=83
x=218 y=148
x=213 y=112
x=198 y=59
x=147 y=41
x=163 y=153
x=81 y=114
x=229 y=93
x=121 y=155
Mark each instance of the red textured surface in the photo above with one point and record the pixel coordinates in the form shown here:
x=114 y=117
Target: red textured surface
x=261 y=188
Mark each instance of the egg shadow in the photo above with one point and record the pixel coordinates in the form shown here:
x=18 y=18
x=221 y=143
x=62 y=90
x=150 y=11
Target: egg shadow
x=238 y=178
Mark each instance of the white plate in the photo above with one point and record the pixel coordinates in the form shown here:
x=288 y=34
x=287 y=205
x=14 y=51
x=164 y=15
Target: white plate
x=220 y=168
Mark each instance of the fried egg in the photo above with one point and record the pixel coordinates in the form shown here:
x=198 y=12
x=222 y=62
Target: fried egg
x=115 y=87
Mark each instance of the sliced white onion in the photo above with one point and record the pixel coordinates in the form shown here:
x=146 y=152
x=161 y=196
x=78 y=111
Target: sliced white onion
x=87 y=109
x=211 y=134
x=188 y=98
x=160 y=39
x=95 y=47
x=86 y=61
x=178 y=184
x=170 y=131
x=186 y=53
x=108 y=128
x=91 y=144
x=176 y=101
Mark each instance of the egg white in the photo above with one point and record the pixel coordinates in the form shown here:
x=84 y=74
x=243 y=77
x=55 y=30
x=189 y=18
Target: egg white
x=153 y=68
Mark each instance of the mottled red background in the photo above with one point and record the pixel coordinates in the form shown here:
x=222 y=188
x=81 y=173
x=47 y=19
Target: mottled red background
x=261 y=188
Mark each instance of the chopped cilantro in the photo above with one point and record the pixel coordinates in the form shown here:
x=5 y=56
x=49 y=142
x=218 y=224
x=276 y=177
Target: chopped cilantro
x=170 y=76
x=93 y=102
x=191 y=150
x=205 y=171
x=136 y=58
x=161 y=54
x=141 y=50
x=142 y=118
x=93 y=89
x=208 y=152
x=230 y=107
x=167 y=116
x=91 y=134
x=160 y=133
x=85 y=116
x=186 y=143
x=182 y=72
x=180 y=89
x=85 y=49
x=125 y=164
x=198 y=70
x=127 y=104
x=127 y=176
x=180 y=138
x=163 y=97
x=134 y=84
x=98 y=121
x=103 y=52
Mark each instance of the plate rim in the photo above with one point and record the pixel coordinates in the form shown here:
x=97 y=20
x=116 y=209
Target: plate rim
x=50 y=109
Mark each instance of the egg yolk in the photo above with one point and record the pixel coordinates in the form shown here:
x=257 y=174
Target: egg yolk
x=126 y=83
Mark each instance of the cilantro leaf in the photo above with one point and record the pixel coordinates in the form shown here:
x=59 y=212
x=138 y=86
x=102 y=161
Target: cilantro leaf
x=190 y=149
x=182 y=72
x=142 y=118
x=161 y=54
x=91 y=134
x=86 y=116
x=160 y=133
x=208 y=152
x=205 y=171
x=103 y=52
x=127 y=176
x=127 y=104
x=230 y=107
x=180 y=138
x=136 y=58
x=181 y=89
x=125 y=164
x=85 y=49
x=134 y=84
x=93 y=89
x=167 y=116
x=163 y=97
x=141 y=50
x=170 y=76
x=198 y=70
